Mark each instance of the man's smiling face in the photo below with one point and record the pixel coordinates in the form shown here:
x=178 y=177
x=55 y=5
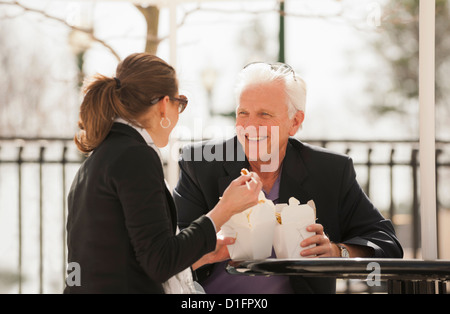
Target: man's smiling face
x=263 y=126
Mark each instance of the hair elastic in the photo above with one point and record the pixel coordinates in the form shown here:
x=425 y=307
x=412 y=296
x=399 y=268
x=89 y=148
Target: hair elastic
x=118 y=84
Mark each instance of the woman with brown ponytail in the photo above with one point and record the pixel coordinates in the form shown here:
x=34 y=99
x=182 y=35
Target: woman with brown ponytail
x=121 y=226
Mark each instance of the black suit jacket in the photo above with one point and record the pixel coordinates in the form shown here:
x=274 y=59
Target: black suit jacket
x=122 y=220
x=308 y=173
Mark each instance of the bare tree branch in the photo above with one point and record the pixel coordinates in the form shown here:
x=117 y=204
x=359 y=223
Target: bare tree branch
x=89 y=32
x=151 y=16
x=199 y=8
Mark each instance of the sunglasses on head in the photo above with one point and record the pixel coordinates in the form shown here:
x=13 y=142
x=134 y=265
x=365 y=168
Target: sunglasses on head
x=276 y=67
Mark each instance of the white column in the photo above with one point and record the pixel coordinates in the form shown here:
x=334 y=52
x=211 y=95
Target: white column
x=172 y=164
x=173 y=33
x=427 y=129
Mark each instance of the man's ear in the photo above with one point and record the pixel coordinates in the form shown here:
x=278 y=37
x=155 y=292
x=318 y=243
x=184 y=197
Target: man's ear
x=297 y=122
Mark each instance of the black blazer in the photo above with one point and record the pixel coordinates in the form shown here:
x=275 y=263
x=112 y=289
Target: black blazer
x=122 y=220
x=308 y=173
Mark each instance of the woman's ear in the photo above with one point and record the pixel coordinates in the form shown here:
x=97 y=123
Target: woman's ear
x=163 y=105
x=297 y=121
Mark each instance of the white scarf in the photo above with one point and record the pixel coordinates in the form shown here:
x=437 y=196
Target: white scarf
x=181 y=283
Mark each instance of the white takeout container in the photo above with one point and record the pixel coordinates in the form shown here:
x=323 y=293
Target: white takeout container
x=253 y=230
x=292 y=230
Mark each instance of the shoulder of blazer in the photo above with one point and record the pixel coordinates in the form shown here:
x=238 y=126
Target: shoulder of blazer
x=213 y=150
x=214 y=156
x=213 y=163
x=122 y=143
x=125 y=145
x=123 y=129
x=310 y=152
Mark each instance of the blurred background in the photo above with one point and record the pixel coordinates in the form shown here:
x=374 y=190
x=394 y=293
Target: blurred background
x=359 y=59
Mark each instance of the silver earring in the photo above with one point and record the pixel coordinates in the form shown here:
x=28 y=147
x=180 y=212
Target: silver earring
x=165 y=126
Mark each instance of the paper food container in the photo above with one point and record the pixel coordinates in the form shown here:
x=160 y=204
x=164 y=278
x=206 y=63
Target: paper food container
x=290 y=229
x=253 y=230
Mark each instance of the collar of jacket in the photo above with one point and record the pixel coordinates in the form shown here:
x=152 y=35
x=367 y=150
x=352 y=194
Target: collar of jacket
x=122 y=126
x=293 y=176
x=127 y=130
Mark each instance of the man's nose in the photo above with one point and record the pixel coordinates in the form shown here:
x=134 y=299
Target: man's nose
x=252 y=121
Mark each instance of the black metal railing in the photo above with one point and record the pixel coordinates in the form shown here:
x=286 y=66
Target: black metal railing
x=26 y=161
x=36 y=173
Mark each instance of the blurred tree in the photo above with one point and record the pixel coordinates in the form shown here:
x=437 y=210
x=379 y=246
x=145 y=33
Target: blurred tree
x=398 y=45
x=27 y=68
x=24 y=109
x=255 y=45
x=151 y=15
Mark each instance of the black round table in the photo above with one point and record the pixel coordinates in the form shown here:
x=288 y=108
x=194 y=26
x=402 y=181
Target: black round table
x=402 y=275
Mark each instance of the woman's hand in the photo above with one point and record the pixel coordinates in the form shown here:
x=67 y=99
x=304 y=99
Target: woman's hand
x=241 y=194
x=218 y=255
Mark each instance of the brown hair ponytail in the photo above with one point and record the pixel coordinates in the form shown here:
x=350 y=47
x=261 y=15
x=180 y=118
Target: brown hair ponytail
x=140 y=78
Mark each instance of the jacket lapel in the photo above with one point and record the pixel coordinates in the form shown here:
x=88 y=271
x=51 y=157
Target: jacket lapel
x=233 y=170
x=293 y=176
x=233 y=167
x=172 y=209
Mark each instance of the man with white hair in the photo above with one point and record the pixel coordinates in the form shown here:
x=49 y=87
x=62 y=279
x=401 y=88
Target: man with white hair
x=270 y=110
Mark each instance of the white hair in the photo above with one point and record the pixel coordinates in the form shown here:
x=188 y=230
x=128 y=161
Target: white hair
x=263 y=73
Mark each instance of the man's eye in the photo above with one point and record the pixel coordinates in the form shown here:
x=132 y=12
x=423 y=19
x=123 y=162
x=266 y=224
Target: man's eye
x=266 y=114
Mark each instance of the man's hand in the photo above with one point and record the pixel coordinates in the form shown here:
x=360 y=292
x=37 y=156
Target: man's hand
x=324 y=247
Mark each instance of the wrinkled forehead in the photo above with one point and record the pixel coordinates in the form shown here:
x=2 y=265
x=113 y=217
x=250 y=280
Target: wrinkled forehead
x=264 y=95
